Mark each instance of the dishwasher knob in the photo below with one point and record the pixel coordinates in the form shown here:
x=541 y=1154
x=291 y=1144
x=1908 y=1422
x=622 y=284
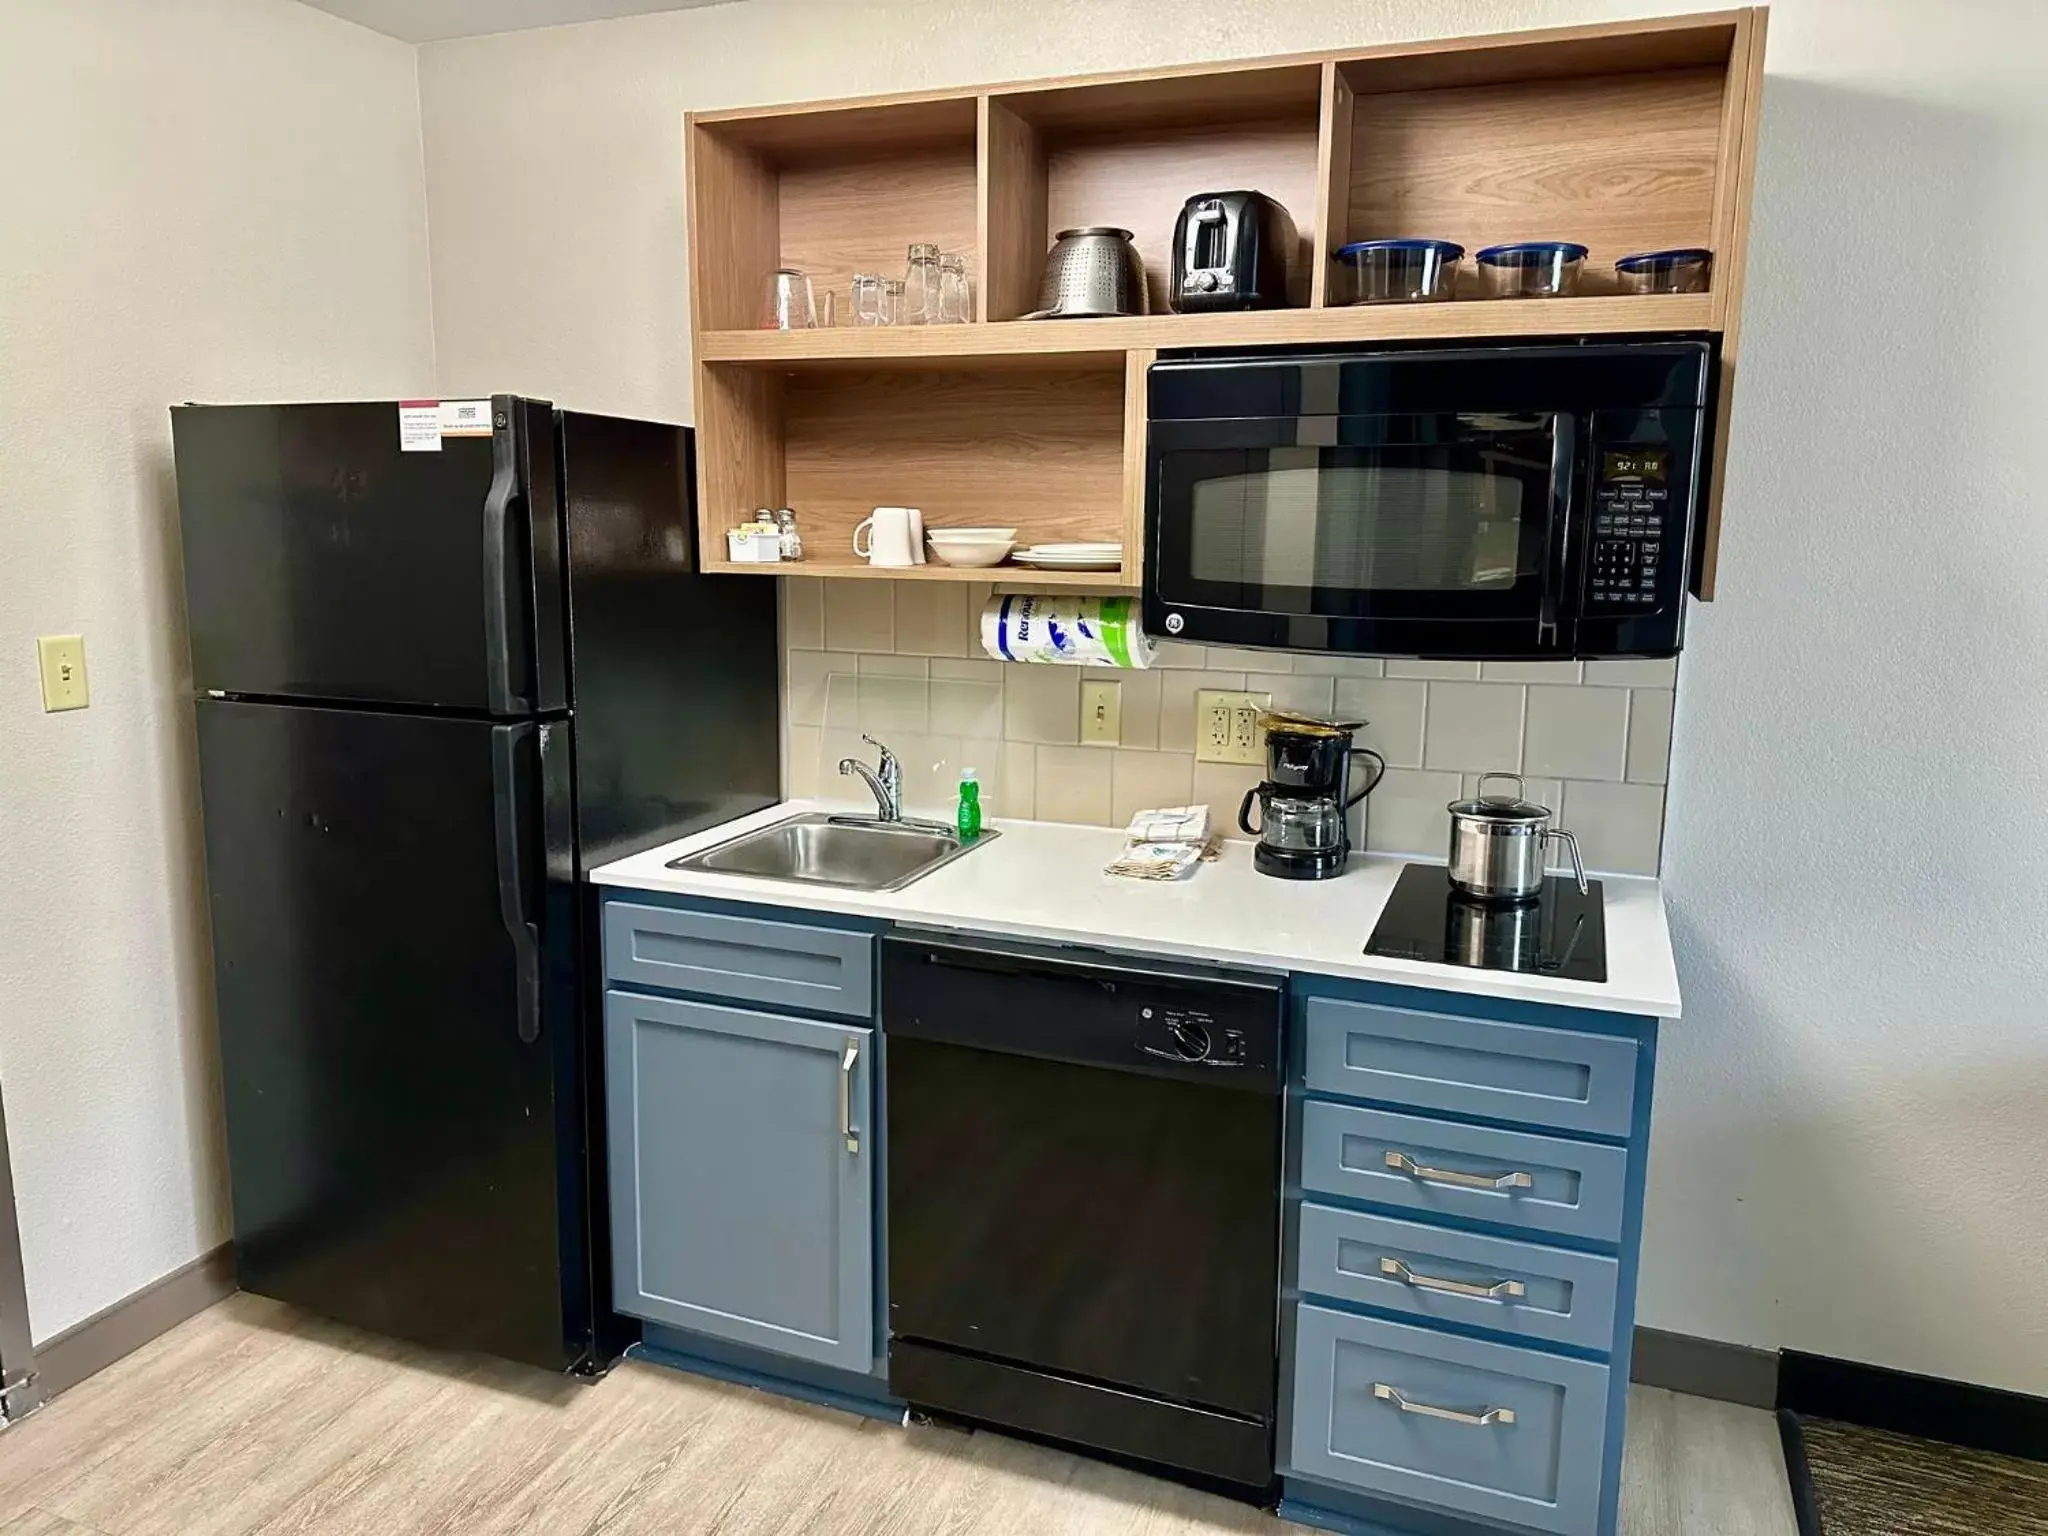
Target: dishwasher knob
x=1191 y=1040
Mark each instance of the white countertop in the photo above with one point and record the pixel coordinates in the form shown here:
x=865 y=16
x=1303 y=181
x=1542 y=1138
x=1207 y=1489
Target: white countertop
x=1044 y=880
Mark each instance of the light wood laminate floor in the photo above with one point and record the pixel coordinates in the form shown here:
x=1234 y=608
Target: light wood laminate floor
x=252 y=1418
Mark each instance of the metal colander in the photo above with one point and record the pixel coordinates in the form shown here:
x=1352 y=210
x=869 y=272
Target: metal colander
x=1092 y=272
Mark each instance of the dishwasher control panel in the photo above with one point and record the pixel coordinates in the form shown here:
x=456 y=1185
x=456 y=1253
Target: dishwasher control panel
x=1089 y=1007
x=1183 y=1033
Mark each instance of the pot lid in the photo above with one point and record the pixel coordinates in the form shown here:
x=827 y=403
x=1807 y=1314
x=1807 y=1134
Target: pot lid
x=1500 y=808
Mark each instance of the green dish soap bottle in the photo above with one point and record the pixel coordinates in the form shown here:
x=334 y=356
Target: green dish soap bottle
x=970 y=806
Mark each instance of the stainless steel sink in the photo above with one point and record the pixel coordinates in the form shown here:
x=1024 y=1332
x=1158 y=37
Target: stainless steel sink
x=822 y=849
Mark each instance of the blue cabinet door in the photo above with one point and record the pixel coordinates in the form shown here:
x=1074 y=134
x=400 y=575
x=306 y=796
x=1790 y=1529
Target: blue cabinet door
x=742 y=1175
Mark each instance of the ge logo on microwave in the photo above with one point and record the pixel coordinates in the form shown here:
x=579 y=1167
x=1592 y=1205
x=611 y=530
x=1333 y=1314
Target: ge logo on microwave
x=1175 y=623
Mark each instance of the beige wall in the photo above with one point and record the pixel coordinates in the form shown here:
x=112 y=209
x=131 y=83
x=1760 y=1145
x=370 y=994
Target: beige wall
x=1848 y=1113
x=209 y=199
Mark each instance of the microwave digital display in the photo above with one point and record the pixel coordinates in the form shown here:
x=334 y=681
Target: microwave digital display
x=1635 y=464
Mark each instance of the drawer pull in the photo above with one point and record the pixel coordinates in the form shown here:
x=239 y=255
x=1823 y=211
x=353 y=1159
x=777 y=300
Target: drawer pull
x=1494 y=1292
x=1415 y=1170
x=846 y=1096
x=1482 y=1420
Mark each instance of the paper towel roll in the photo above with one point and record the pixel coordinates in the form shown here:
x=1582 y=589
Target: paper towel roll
x=1071 y=631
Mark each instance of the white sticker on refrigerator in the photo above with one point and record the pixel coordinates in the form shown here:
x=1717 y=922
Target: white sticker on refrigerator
x=419 y=426
x=465 y=418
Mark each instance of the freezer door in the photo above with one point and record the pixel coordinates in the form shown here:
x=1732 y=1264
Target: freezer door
x=678 y=720
x=324 y=559
x=394 y=943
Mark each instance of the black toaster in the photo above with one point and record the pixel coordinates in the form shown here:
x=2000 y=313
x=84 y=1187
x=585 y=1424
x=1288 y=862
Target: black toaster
x=1230 y=251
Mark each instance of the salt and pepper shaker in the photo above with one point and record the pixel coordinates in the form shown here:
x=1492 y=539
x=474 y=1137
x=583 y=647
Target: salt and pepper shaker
x=792 y=541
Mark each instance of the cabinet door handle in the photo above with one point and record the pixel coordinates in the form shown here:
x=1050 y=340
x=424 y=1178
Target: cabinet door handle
x=1484 y=1419
x=846 y=1096
x=1407 y=1276
x=1415 y=1170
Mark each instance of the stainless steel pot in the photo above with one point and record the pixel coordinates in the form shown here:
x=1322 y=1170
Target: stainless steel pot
x=1498 y=842
x=1092 y=272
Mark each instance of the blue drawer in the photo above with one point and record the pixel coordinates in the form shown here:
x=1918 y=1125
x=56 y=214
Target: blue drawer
x=1562 y=1078
x=1514 y=1178
x=744 y=959
x=1437 y=1274
x=1456 y=1424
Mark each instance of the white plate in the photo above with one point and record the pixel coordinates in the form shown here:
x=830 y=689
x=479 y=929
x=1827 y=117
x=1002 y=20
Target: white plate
x=1039 y=560
x=1078 y=551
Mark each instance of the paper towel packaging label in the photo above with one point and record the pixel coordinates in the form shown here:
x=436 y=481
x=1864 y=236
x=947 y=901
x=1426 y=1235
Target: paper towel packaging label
x=1076 y=631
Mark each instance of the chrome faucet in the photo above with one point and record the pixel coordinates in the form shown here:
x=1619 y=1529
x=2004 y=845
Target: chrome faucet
x=887 y=782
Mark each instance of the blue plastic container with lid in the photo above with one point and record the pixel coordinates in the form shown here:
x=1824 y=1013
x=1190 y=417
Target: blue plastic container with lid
x=1531 y=269
x=1398 y=271
x=1680 y=271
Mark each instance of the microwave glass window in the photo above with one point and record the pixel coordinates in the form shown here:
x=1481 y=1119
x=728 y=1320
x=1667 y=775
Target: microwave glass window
x=1408 y=527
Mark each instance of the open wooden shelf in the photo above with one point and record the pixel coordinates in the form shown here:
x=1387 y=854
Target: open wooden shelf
x=1002 y=577
x=1052 y=343
x=1625 y=136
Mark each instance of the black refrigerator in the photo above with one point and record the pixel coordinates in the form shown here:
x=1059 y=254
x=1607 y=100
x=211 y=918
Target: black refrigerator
x=447 y=656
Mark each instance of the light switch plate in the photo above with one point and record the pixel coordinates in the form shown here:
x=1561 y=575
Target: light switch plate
x=61 y=659
x=1102 y=712
x=1227 y=727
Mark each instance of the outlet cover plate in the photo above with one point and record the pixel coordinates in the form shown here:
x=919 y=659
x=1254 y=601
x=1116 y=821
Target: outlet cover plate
x=1226 y=727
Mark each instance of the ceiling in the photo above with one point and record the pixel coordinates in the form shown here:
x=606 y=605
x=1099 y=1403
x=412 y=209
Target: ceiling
x=428 y=21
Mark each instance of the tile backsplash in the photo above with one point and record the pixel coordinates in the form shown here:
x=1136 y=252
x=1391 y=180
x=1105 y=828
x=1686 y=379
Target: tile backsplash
x=902 y=661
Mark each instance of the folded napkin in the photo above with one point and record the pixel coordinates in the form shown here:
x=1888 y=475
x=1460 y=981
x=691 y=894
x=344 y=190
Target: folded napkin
x=1173 y=824
x=1165 y=844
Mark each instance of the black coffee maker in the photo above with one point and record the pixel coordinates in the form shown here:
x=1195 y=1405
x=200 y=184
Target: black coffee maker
x=1303 y=829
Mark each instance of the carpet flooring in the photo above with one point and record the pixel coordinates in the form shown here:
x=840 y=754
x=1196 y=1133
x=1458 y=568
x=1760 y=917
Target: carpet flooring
x=1870 y=1482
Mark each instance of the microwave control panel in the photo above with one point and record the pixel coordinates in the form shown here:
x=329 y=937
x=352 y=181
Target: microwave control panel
x=1631 y=494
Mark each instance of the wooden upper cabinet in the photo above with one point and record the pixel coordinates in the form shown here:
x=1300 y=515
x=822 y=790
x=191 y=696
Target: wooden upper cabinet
x=1624 y=137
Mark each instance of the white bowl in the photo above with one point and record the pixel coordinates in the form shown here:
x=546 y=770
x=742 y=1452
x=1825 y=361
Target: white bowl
x=971 y=535
x=975 y=552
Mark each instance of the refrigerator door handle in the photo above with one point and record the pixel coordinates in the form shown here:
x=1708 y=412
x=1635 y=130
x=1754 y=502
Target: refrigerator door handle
x=499 y=600
x=507 y=741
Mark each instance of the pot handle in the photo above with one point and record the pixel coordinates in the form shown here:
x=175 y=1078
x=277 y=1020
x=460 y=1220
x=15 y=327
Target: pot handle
x=1379 y=771
x=1521 y=789
x=1558 y=834
x=1244 y=814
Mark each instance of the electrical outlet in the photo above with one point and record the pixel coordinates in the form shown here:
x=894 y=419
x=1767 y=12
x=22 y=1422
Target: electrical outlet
x=1102 y=715
x=1227 y=727
x=62 y=661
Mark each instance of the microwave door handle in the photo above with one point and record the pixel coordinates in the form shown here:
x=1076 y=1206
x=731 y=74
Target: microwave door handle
x=1558 y=546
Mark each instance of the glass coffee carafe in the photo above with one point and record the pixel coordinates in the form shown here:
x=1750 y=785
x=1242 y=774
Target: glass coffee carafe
x=1303 y=804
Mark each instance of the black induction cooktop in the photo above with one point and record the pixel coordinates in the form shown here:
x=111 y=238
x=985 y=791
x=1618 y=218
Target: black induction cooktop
x=1556 y=933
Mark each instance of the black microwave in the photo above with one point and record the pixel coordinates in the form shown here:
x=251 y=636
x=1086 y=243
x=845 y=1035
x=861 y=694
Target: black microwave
x=1483 y=503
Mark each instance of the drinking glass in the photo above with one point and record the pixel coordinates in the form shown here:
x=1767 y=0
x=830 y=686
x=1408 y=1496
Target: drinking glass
x=956 y=296
x=867 y=298
x=892 y=301
x=791 y=306
x=921 y=286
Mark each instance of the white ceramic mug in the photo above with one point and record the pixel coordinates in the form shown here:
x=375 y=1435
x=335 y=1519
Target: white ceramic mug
x=916 y=534
x=890 y=540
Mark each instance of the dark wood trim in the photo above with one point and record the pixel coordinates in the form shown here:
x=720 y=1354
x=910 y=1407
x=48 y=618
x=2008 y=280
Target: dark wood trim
x=1984 y=1418
x=1805 y=1508
x=21 y=1391
x=66 y=1359
x=1730 y=1373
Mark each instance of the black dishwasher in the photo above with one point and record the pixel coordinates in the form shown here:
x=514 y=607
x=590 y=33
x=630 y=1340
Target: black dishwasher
x=1084 y=1198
